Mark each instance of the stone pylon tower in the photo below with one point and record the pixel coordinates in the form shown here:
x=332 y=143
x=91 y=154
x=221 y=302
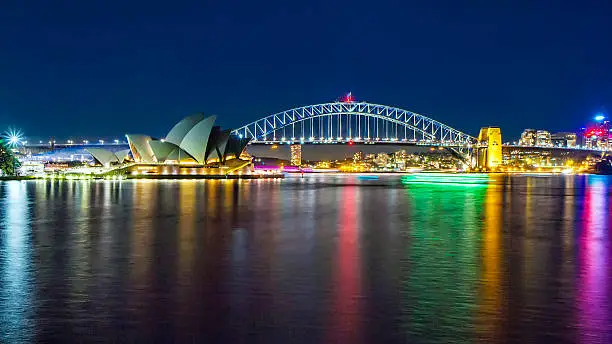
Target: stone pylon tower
x=489 y=151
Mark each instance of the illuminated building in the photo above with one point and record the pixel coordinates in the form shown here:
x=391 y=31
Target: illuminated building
x=532 y=137
x=358 y=156
x=106 y=157
x=400 y=155
x=193 y=140
x=543 y=138
x=30 y=168
x=597 y=135
x=140 y=148
x=563 y=139
x=382 y=159
x=399 y=158
x=489 y=148
x=528 y=137
x=296 y=155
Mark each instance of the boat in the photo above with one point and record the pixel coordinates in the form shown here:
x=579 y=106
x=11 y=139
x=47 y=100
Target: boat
x=446 y=178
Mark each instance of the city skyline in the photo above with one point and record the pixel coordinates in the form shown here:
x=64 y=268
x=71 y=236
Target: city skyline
x=17 y=135
x=305 y=172
x=548 y=72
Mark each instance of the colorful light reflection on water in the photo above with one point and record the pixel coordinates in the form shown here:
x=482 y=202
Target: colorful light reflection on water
x=594 y=264
x=319 y=258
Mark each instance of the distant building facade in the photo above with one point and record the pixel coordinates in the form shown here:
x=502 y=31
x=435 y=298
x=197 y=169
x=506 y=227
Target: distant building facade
x=528 y=137
x=358 y=156
x=533 y=137
x=543 y=138
x=296 y=155
x=563 y=139
x=597 y=136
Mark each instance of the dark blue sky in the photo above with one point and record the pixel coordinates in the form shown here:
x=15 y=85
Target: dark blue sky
x=104 y=68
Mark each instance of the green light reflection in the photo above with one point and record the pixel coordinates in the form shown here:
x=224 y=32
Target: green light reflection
x=441 y=268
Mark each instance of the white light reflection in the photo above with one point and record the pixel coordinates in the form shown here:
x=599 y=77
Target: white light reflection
x=16 y=279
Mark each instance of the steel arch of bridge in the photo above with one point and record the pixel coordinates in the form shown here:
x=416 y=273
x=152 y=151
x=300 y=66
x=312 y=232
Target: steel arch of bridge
x=431 y=132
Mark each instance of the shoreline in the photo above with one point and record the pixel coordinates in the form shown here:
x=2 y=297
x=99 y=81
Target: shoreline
x=263 y=176
x=152 y=177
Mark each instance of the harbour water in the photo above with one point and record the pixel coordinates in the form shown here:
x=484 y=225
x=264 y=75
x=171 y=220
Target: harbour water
x=314 y=259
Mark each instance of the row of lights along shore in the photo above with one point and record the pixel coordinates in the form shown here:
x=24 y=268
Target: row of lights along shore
x=340 y=139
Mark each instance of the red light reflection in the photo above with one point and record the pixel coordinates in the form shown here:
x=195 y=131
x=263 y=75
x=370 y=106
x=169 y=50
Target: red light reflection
x=345 y=310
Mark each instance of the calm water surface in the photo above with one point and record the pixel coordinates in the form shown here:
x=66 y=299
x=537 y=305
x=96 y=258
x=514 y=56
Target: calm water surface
x=319 y=259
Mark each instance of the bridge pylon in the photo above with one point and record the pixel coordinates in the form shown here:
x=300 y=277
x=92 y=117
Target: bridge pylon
x=489 y=149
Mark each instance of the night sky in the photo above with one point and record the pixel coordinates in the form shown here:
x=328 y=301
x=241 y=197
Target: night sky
x=105 y=68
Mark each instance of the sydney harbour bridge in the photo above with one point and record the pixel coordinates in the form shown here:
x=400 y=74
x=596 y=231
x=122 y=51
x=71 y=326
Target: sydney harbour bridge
x=349 y=122
x=352 y=122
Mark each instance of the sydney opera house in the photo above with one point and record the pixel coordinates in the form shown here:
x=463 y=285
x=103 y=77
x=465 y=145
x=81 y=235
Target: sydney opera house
x=193 y=146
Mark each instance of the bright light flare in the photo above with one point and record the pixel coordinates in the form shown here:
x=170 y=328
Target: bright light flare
x=14 y=137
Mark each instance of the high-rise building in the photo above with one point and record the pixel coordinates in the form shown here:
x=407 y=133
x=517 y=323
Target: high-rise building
x=543 y=138
x=296 y=155
x=563 y=139
x=597 y=135
x=528 y=137
x=570 y=140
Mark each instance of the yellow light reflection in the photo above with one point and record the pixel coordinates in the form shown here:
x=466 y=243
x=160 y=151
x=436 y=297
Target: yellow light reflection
x=144 y=198
x=490 y=307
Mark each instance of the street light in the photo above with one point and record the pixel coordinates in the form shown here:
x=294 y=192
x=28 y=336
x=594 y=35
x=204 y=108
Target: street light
x=14 y=140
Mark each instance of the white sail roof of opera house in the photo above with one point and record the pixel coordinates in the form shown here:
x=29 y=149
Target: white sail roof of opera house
x=194 y=139
x=141 y=150
x=178 y=132
x=106 y=157
x=165 y=150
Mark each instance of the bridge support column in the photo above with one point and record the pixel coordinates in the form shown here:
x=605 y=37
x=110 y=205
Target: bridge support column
x=489 y=149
